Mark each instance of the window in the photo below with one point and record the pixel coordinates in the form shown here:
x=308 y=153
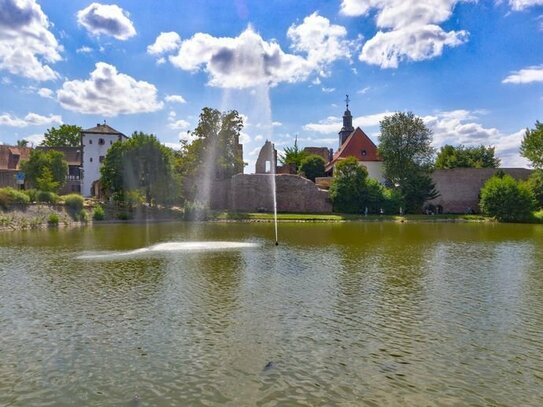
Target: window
x=110 y=142
x=364 y=152
x=90 y=159
x=101 y=141
x=90 y=141
x=101 y=158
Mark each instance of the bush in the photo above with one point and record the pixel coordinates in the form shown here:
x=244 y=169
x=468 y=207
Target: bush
x=312 y=167
x=47 y=197
x=10 y=196
x=535 y=184
x=195 y=211
x=74 y=202
x=53 y=219
x=98 y=213
x=507 y=200
x=123 y=216
x=83 y=216
x=32 y=194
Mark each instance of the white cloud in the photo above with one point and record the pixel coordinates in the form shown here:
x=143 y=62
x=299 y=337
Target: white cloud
x=165 y=42
x=277 y=124
x=175 y=99
x=31 y=119
x=45 y=93
x=328 y=90
x=248 y=60
x=244 y=138
x=179 y=124
x=461 y=127
x=108 y=93
x=106 y=19
x=259 y=138
x=526 y=75
x=333 y=124
x=26 y=44
x=365 y=90
x=84 y=50
x=518 y=5
x=412 y=30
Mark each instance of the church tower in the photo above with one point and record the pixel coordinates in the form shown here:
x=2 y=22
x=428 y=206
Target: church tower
x=347 y=128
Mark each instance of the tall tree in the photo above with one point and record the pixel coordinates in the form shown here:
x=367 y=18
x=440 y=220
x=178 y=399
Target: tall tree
x=407 y=153
x=466 y=157
x=532 y=145
x=45 y=170
x=140 y=165
x=22 y=143
x=293 y=156
x=215 y=144
x=67 y=135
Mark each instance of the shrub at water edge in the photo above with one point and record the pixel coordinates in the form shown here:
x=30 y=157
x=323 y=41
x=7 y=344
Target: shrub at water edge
x=47 y=197
x=507 y=200
x=74 y=202
x=10 y=196
x=53 y=219
x=535 y=184
x=98 y=213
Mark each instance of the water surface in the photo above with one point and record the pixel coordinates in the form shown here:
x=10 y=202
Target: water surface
x=361 y=314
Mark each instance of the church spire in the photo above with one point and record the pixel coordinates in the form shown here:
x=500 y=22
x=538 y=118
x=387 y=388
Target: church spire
x=347 y=128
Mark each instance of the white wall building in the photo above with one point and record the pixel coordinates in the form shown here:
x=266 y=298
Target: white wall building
x=95 y=144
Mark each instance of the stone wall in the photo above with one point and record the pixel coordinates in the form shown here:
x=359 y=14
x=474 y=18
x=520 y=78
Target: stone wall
x=253 y=193
x=459 y=187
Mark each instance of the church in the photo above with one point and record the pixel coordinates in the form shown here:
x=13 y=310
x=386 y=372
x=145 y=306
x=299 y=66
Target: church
x=355 y=143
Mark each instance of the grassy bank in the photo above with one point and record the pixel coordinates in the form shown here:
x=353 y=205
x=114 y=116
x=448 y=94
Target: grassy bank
x=307 y=217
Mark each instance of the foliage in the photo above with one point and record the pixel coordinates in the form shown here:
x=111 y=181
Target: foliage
x=140 y=166
x=312 y=166
x=10 y=196
x=67 y=135
x=532 y=145
x=53 y=219
x=349 y=186
x=392 y=201
x=535 y=184
x=98 y=213
x=47 y=197
x=293 y=156
x=195 y=211
x=83 y=216
x=74 y=202
x=45 y=170
x=215 y=142
x=406 y=150
x=32 y=194
x=466 y=157
x=123 y=216
x=507 y=199
x=22 y=143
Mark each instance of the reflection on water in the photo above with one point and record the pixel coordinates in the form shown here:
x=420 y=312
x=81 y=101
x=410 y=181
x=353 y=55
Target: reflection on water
x=339 y=314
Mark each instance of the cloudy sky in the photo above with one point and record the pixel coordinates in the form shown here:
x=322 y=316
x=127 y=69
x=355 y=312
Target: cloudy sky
x=472 y=69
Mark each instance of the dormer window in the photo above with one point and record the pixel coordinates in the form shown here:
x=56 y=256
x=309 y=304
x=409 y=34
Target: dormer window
x=101 y=141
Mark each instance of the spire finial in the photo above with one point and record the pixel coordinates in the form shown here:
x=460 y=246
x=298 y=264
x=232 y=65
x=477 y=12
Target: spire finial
x=347 y=100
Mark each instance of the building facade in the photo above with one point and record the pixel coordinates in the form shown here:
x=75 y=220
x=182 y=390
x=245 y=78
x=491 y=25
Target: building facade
x=95 y=142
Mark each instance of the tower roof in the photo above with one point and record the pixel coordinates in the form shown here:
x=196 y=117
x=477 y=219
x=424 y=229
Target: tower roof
x=103 y=129
x=358 y=145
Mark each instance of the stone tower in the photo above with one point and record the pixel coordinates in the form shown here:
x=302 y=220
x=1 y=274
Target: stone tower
x=347 y=128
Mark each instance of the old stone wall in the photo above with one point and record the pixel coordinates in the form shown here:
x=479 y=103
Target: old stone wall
x=253 y=192
x=459 y=187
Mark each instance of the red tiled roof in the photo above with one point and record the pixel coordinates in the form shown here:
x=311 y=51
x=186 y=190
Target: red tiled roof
x=11 y=156
x=357 y=145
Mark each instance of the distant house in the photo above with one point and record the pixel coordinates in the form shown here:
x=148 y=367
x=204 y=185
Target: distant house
x=95 y=143
x=354 y=142
x=10 y=162
x=73 y=156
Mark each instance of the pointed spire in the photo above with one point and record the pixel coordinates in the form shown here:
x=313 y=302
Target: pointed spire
x=347 y=128
x=347 y=100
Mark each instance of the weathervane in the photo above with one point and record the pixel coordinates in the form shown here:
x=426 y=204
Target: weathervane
x=347 y=101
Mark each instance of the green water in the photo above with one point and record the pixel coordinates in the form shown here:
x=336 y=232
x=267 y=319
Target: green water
x=353 y=314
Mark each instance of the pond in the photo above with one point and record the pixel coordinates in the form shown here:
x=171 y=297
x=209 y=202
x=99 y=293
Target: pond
x=361 y=314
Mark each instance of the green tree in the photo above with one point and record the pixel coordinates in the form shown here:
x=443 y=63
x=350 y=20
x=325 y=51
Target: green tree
x=405 y=147
x=293 y=156
x=535 y=184
x=140 y=166
x=312 y=167
x=67 y=135
x=466 y=157
x=348 y=186
x=215 y=143
x=22 y=143
x=531 y=147
x=507 y=200
x=45 y=170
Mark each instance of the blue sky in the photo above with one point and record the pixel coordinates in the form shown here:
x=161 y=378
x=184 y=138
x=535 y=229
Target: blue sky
x=473 y=70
